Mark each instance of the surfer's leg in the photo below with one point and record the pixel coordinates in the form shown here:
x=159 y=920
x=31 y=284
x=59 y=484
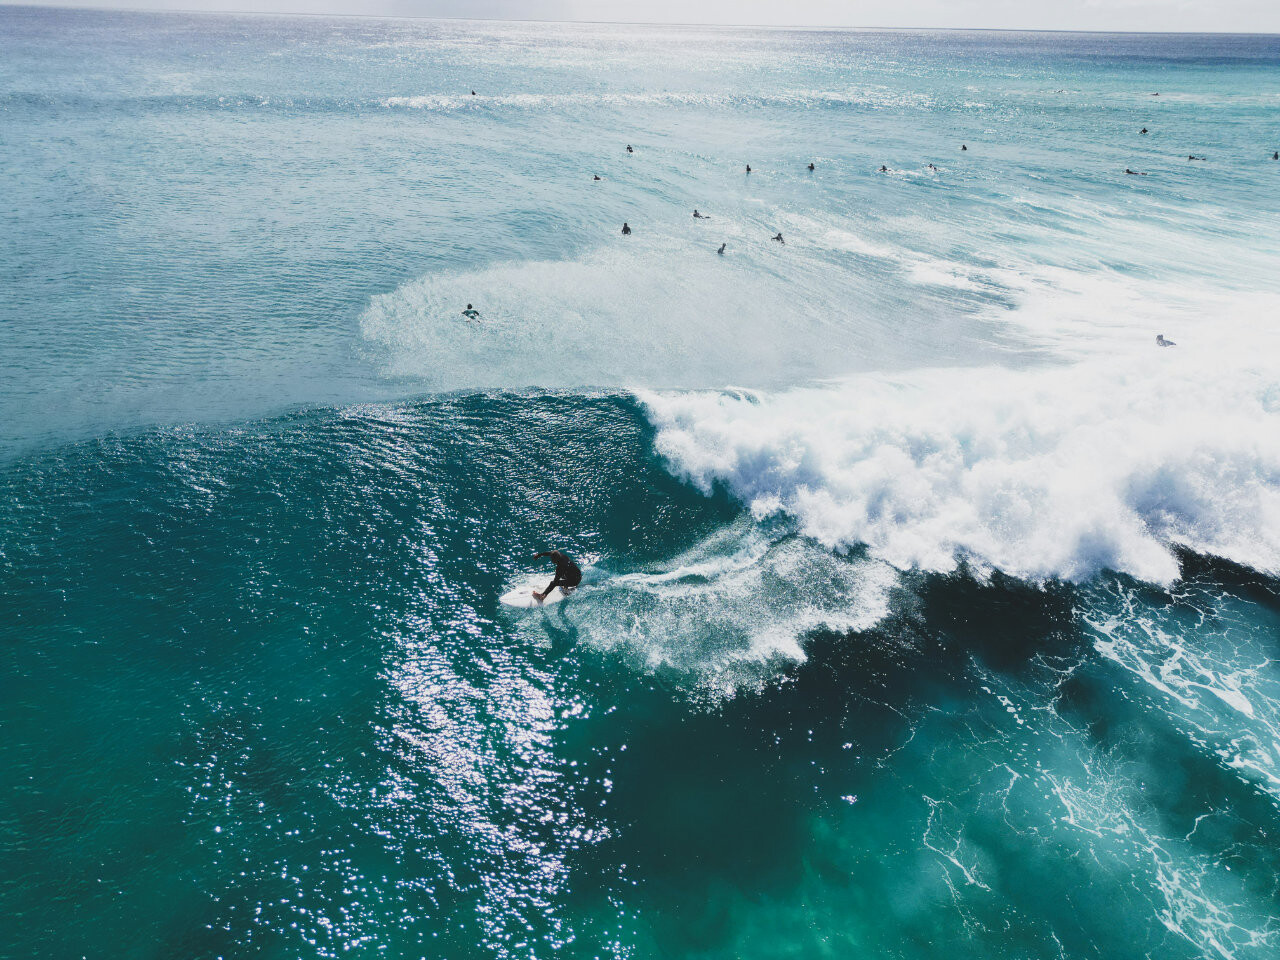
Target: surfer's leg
x=565 y=585
x=557 y=582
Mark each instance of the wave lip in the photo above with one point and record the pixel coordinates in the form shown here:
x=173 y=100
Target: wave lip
x=1042 y=474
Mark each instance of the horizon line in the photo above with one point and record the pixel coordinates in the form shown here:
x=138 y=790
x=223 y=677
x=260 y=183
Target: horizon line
x=632 y=23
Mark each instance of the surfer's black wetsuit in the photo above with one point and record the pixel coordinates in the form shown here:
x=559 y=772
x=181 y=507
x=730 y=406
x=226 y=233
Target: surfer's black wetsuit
x=568 y=574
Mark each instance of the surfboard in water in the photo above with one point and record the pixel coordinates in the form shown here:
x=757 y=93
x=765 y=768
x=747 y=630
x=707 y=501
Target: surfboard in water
x=522 y=595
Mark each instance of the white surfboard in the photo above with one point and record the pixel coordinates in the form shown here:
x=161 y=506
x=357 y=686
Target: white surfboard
x=522 y=595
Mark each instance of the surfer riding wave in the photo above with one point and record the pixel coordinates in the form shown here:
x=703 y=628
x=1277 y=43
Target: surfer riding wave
x=568 y=574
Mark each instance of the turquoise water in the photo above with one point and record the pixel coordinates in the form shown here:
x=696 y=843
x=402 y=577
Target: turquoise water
x=931 y=610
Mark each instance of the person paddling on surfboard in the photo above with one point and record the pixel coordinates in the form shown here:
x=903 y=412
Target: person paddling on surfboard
x=568 y=575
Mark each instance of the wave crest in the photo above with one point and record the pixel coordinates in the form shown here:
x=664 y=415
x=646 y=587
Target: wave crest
x=1042 y=474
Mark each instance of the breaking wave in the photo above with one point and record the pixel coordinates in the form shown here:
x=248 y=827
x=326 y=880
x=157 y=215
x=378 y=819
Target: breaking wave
x=1052 y=473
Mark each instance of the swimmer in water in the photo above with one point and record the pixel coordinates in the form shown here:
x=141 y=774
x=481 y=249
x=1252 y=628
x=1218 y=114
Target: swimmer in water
x=933 y=168
x=626 y=230
x=1276 y=155
x=811 y=168
x=883 y=168
x=1162 y=342
x=473 y=93
x=1143 y=130
x=1192 y=156
x=568 y=574
x=721 y=250
x=779 y=238
x=471 y=313
x=629 y=150
x=964 y=147
x=596 y=177
x=1133 y=173
x=748 y=168
x=699 y=216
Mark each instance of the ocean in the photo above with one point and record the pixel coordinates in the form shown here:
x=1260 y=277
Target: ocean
x=930 y=609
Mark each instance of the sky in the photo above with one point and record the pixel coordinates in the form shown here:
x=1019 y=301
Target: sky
x=1243 y=16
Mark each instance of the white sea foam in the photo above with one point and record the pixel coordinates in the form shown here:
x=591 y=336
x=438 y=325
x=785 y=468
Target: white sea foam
x=1044 y=473
x=1207 y=662
x=1038 y=773
x=650 y=310
x=754 y=594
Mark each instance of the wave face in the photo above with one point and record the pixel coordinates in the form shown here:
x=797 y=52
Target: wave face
x=929 y=608
x=281 y=642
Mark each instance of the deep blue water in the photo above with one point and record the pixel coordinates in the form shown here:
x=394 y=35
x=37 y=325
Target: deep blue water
x=931 y=609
